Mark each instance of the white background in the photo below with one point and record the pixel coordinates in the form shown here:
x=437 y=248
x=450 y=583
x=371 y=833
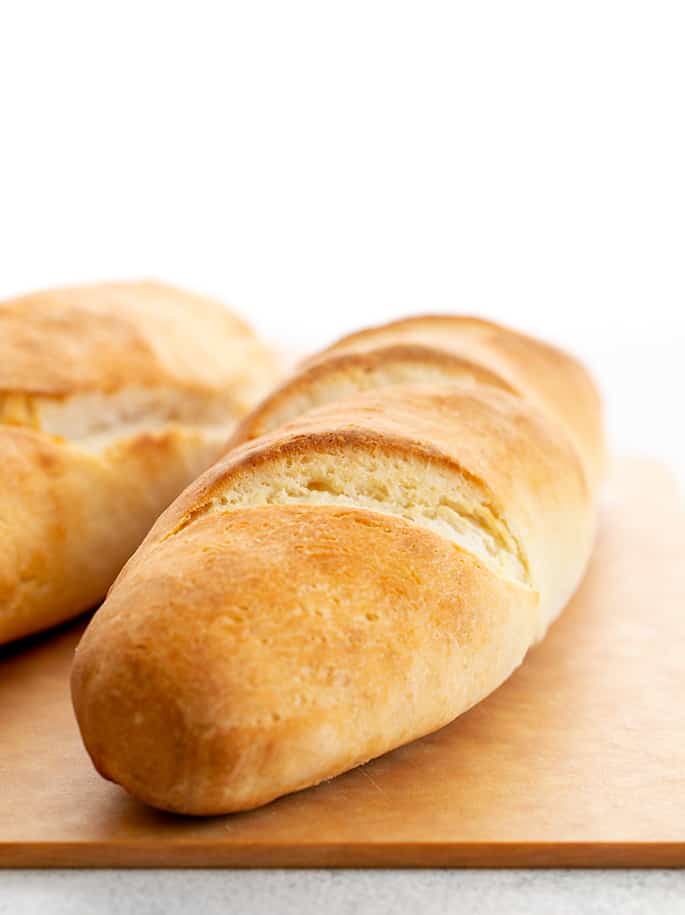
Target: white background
x=325 y=165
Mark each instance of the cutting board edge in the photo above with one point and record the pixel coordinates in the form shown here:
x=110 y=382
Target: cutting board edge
x=537 y=855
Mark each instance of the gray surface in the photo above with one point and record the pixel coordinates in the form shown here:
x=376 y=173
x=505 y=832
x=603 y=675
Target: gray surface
x=331 y=892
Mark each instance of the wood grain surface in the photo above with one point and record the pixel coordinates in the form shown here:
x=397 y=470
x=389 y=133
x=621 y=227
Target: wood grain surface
x=578 y=760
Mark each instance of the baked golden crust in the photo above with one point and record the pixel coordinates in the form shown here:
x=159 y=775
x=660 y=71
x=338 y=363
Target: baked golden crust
x=327 y=592
x=263 y=650
x=71 y=518
x=109 y=336
x=447 y=348
x=104 y=418
x=527 y=474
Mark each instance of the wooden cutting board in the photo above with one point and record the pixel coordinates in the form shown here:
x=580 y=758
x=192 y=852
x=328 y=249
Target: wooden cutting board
x=579 y=759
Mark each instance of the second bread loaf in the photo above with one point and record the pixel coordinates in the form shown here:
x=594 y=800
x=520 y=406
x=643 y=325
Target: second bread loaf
x=113 y=397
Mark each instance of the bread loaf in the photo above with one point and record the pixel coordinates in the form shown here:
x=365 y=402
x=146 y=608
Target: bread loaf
x=345 y=583
x=112 y=399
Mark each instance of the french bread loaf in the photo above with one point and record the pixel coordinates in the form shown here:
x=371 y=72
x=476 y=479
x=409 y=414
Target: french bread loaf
x=112 y=399
x=348 y=581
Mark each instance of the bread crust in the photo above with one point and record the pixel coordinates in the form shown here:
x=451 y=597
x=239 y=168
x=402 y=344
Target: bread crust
x=260 y=641
x=109 y=336
x=112 y=399
x=528 y=470
x=261 y=652
x=320 y=381
x=431 y=348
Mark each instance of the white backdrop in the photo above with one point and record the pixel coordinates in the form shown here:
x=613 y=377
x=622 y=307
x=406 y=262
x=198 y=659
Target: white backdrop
x=324 y=165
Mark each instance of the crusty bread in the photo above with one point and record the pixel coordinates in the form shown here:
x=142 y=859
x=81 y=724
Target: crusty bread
x=434 y=348
x=346 y=583
x=112 y=398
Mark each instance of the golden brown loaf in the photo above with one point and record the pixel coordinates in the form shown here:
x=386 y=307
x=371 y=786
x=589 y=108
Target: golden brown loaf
x=112 y=398
x=347 y=582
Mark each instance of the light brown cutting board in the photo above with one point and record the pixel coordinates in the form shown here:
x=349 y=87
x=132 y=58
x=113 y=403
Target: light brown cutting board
x=579 y=759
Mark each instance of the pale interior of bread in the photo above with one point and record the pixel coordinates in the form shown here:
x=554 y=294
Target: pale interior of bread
x=339 y=383
x=429 y=333
x=419 y=490
x=96 y=420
